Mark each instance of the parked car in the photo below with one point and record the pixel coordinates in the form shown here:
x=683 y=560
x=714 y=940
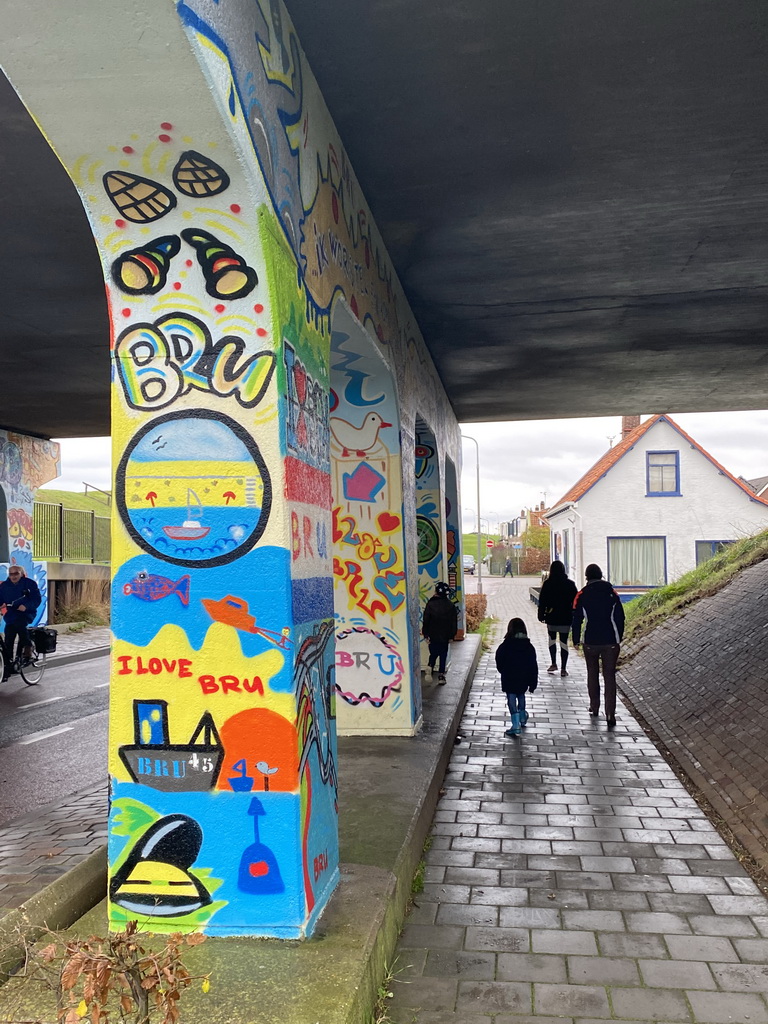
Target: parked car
x=469 y=564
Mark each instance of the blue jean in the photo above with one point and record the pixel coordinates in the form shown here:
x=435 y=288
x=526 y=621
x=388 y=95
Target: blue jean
x=516 y=703
x=438 y=653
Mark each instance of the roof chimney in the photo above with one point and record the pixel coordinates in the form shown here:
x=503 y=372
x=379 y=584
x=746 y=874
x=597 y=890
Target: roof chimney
x=628 y=424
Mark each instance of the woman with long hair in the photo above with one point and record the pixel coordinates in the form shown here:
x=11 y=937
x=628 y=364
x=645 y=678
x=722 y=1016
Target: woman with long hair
x=556 y=610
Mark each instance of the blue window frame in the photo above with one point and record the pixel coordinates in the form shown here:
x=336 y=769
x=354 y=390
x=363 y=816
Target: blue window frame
x=637 y=561
x=706 y=549
x=662 y=474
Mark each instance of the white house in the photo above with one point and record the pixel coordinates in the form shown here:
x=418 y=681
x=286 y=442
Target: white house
x=652 y=508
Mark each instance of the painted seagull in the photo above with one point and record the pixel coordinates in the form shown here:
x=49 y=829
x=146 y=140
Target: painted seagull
x=357 y=439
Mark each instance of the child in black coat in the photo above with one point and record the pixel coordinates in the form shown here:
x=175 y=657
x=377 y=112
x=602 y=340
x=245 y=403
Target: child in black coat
x=516 y=661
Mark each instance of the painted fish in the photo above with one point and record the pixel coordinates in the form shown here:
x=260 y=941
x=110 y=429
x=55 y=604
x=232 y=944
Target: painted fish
x=151 y=588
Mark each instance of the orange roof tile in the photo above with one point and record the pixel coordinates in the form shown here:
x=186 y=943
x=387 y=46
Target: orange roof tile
x=612 y=456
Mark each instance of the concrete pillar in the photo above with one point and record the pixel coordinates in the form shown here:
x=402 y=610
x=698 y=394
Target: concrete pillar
x=430 y=525
x=377 y=690
x=26 y=463
x=223 y=757
x=455 y=569
x=231 y=229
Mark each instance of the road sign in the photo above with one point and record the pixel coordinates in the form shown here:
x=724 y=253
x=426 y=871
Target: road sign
x=489 y=543
x=517 y=545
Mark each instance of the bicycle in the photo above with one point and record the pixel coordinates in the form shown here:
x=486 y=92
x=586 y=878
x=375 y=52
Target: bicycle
x=32 y=667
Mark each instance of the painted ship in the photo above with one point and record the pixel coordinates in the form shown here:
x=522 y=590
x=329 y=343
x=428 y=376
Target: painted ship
x=190 y=529
x=154 y=761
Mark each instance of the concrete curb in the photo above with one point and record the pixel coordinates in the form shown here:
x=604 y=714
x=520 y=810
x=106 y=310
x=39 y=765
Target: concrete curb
x=57 y=906
x=67 y=659
x=386 y=930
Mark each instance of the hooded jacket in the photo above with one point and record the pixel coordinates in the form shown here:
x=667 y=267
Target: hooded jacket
x=516 y=661
x=440 y=620
x=599 y=607
x=556 y=601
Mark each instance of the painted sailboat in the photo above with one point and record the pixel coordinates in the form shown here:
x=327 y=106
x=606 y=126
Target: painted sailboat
x=190 y=529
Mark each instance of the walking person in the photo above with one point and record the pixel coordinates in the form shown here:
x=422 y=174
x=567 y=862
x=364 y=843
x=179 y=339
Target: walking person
x=508 y=568
x=439 y=624
x=556 y=598
x=516 y=662
x=600 y=608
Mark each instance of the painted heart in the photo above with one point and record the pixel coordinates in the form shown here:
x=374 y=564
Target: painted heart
x=387 y=522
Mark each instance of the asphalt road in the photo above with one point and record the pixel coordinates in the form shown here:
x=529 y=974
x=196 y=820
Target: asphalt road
x=53 y=737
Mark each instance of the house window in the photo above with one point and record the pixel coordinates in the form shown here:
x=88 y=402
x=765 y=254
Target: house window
x=706 y=549
x=662 y=471
x=637 y=561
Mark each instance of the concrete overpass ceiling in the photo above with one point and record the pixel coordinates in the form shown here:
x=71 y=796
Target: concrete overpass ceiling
x=54 y=333
x=575 y=196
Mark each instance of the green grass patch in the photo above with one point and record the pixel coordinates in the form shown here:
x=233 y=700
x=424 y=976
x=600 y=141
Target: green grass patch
x=650 y=610
x=486 y=630
x=91 y=502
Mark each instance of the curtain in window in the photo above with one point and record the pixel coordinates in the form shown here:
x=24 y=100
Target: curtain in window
x=636 y=561
x=662 y=472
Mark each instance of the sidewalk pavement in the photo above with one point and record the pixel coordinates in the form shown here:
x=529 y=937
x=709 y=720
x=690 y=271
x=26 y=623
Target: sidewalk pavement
x=89 y=642
x=388 y=791
x=43 y=845
x=571 y=878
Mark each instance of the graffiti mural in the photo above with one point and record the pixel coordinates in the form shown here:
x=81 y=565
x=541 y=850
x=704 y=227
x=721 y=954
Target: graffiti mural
x=455 y=577
x=26 y=463
x=223 y=757
x=429 y=520
x=265 y=526
x=373 y=659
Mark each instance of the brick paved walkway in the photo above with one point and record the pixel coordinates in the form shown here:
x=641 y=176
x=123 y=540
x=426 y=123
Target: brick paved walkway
x=91 y=639
x=40 y=846
x=571 y=877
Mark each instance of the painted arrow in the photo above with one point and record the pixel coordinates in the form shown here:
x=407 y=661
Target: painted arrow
x=363 y=484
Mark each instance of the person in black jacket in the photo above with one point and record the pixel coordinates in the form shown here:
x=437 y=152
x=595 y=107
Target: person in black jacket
x=516 y=662
x=438 y=626
x=556 y=609
x=600 y=608
x=19 y=600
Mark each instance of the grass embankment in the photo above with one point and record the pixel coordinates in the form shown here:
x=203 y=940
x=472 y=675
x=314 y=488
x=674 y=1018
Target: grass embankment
x=91 y=502
x=648 y=611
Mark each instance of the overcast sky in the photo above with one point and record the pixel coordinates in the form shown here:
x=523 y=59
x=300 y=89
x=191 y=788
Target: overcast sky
x=521 y=464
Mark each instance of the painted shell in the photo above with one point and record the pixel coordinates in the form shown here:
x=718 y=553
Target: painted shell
x=195 y=175
x=138 y=199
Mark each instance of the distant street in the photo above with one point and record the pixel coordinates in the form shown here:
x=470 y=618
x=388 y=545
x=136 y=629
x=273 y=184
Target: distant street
x=53 y=737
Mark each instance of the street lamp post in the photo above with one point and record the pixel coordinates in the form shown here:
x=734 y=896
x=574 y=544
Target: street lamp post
x=466 y=437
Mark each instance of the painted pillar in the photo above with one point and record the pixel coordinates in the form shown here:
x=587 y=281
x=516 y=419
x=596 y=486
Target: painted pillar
x=231 y=230
x=222 y=760
x=453 y=544
x=429 y=522
x=26 y=463
x=374 y=667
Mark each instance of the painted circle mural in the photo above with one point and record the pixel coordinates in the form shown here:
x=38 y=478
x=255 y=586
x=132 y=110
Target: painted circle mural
x=193 y=489
x=428 y=539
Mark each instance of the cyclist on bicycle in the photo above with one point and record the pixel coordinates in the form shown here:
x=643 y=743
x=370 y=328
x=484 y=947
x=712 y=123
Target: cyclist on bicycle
x=19 y=600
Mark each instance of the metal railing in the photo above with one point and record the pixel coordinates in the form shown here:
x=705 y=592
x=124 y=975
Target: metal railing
x=69 y=535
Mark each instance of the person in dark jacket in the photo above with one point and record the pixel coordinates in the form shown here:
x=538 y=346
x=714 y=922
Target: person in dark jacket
x=599 y=607
x=438 y=626
x=19 y=600
x=556 y=609
x=516 y=662
x=508 y=568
